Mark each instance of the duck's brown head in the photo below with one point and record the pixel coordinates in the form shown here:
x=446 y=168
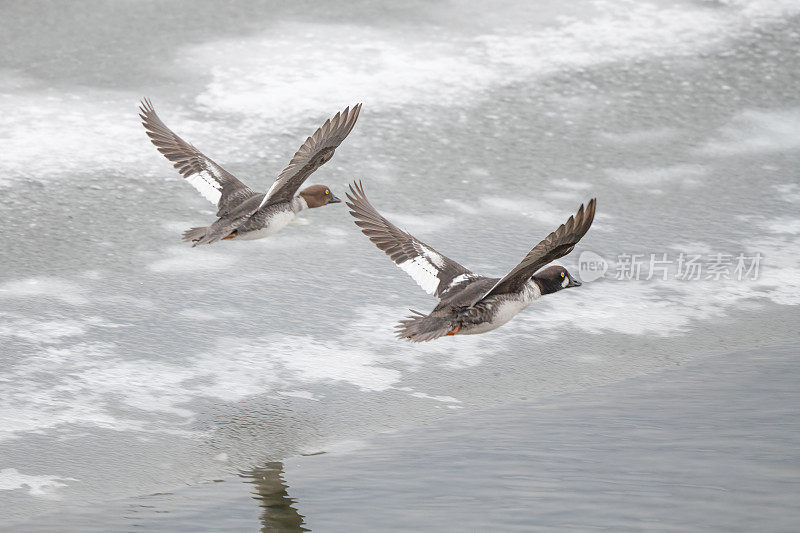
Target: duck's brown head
x=553 y=279
x=318 y=195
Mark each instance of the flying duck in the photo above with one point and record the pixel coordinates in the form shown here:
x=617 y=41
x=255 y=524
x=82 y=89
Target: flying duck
x=243 y=213
x=469 y=303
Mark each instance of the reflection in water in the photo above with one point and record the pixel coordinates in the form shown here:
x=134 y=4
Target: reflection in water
x=271 y=491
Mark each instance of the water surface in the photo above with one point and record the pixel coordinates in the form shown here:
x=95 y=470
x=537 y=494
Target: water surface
x=133 y=364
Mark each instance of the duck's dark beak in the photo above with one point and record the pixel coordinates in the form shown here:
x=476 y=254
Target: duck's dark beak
x=334 y=200
x=573 y=283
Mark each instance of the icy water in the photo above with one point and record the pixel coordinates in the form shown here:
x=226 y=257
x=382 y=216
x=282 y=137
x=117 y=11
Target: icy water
x=713 y=445
x=133 y=364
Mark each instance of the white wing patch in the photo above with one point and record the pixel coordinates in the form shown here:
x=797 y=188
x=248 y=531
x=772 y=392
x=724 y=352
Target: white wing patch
x=435 y=259
x=459 y=279
x=425 y=268
x=266 y=196
x=423 y=272
x=207 y=185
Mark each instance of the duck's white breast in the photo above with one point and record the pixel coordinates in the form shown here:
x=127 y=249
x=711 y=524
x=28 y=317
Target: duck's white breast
x=277 y=222
x=505 y=309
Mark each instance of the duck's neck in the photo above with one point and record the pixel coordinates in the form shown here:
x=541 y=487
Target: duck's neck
x=299 y=204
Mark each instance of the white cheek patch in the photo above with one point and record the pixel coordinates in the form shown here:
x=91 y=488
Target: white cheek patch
x=565 y=283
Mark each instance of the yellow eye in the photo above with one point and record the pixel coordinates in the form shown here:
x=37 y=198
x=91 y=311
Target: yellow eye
x=562 y=274
x=328 y=192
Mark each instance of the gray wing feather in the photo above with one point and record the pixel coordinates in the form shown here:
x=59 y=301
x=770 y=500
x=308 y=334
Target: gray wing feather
x=432 y=271
x=211 y=180
x=558 y=244
x=314 y=152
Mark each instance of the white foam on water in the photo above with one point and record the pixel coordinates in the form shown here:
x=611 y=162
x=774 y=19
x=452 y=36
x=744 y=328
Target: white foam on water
x=338 y=233
x=343 y=447
x=45 y=288
x=418 y=224
x=445 y=399
x=268 y=75
x=254 y=366
x=693 y=247
x=183 y=259
x=563 y=195
x=789 y=192
x=87 y=378
x=43 y=486
x=756 y=131
x=39 y=331
x=176 y=227
x=59 y=134
x=764 y=8
x=671 y=307
x=261 y=75
x=564 y=183
x=570 y=196
x=784 y=225
x=541 y=211
x=656 y=135
x=299 y=240
x=92 y=384
x=684 y=174
x=779 y=276
x=629 y=308
x=209 y=316
x=463 y=207
x=83 y=378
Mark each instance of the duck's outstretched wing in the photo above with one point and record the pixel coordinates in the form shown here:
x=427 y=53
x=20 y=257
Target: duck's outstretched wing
x=432 y=271
x=557 y=244
x=315 y=152
x=212 y=181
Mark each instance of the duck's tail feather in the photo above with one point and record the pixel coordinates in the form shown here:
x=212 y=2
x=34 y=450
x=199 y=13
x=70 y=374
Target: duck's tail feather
x=420 y=327
x=217 y=231
x=195 y=235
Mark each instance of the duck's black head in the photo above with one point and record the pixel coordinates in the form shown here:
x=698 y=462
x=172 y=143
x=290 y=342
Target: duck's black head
x=554 y=278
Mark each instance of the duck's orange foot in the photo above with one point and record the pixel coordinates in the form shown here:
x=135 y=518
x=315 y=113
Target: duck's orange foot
x=454 y=330
x=229 y=236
